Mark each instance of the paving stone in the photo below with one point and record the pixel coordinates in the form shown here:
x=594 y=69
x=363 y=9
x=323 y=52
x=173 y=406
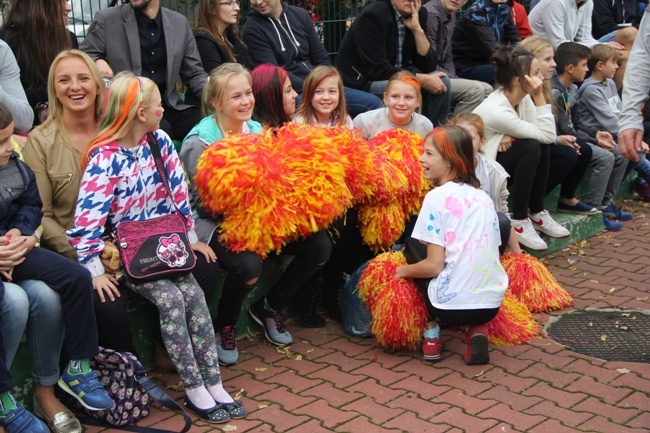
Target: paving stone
x=376 y=391
x=408 y=422
x=329 y=416
x=616 y=414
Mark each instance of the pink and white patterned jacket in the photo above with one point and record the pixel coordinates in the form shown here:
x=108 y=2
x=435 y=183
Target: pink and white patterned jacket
x=122 y=184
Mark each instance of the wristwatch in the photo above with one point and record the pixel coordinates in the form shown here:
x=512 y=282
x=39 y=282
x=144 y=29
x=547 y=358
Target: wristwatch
x=38 y=240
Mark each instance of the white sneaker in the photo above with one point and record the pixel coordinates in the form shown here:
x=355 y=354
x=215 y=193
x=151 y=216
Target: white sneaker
x=542 y=222
x=527 y=235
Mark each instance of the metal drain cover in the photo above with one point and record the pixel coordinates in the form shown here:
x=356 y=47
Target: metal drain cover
x=608 y=334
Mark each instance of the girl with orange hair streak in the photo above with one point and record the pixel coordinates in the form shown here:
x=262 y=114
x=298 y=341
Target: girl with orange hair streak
x=121 y=183
x=402 y=101
x=455 y=247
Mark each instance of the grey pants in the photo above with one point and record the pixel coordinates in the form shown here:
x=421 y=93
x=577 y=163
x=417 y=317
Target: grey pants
x=608 y=172
x=186 y=328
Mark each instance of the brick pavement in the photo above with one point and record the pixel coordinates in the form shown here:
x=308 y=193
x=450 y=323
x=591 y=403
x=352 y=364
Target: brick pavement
x=331 y=382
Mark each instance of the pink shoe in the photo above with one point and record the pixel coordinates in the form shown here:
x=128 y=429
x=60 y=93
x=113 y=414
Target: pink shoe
x=431 y=348
x=477 y=345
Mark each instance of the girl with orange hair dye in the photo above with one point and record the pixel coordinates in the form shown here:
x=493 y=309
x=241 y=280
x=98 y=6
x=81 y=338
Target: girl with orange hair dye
x=454 y=248
x=402 y=104
x=121 y=183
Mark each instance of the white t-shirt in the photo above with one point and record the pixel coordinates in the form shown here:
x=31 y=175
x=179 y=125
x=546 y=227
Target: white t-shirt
x=462 y=219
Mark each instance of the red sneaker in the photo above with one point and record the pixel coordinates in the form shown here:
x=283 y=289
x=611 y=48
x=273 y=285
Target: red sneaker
x=477 y=345
x=431 y=348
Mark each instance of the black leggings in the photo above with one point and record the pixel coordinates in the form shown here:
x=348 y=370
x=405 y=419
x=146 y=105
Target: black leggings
x=527 y=163
x=310 y=253
x=567 y=168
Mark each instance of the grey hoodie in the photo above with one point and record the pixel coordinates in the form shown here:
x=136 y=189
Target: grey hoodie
x=598 y=107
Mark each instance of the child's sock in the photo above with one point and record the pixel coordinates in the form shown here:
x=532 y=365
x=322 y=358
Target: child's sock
x=219 y=394
x=7 y=403
x=200 y=397
x=79 y=366
x=432 y=333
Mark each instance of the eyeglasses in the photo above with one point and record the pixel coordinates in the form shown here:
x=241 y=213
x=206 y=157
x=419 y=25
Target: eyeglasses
x=230 y=3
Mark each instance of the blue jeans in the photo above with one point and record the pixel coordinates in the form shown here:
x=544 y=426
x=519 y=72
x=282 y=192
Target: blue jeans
x=642 y=168
x=435 y=107
x=358 y=101
x=34 y=305
x=74 y=284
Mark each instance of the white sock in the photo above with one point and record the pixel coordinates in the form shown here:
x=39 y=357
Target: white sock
x=219 y=394
x=200 y=397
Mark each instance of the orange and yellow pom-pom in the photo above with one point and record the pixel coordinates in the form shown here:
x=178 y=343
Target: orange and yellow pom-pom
x=513 y=324
x=397 y=182
x=381 y=225
x=396 y=305
x=275 y=187
x=532 y=283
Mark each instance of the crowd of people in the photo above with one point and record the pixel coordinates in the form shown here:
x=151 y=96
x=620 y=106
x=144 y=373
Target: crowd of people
x=501 y=100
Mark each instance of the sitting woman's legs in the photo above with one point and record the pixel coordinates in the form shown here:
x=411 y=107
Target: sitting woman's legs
x=521 y=162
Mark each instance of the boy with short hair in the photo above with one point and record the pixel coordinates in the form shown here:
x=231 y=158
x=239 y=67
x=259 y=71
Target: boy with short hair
x=598 y=107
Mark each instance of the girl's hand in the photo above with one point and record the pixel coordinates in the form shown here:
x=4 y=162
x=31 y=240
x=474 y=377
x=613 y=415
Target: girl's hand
x=534 y=86
x=12 y=251
x=400 y=272
x=106 y=285
x=505 y=144
x=569 y=140
x=206 y=250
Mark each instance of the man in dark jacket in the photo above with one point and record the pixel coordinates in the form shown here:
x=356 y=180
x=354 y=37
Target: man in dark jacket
x=483 y=26
x=284 y=35
x=370 y=53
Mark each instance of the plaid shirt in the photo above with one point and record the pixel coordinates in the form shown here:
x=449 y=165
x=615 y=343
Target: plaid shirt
x=440 y=27
x=401 y=30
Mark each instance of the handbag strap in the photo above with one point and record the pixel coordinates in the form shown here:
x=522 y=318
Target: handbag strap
x=162 y=397
x=160 y=166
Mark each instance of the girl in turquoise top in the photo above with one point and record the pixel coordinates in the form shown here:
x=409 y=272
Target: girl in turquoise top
x=228 y=104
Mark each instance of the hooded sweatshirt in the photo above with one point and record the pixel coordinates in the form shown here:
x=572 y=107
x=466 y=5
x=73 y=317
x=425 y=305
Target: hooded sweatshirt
x=566 y=103
x=563 y=21
x=290 y=41
x=122 y=184
x=598 y=106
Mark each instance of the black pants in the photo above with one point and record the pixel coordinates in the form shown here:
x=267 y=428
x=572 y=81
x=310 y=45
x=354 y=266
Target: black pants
x=74 y=284
x=113 y=323
x=178 y=123
x=415 y=251
x=244 y=266
x=567 y=168
x=527 y=163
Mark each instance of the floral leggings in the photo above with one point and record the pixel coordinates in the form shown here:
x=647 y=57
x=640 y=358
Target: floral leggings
x=186 y=328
